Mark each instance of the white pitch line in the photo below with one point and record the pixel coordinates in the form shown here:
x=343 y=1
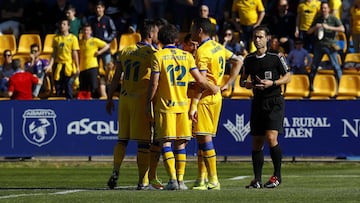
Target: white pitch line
x=66 y=192
x=36 y=194
x=20 y=195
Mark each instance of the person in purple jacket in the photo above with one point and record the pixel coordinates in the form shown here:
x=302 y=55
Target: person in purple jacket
x=37 y=66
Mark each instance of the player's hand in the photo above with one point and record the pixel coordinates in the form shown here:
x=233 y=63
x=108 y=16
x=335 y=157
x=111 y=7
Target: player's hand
x=215 y=89
x=224 y=87
x=193 y=110
x=110 y=106
x=193 y=115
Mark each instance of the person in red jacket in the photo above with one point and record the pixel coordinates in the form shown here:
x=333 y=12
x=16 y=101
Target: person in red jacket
x=21 y=83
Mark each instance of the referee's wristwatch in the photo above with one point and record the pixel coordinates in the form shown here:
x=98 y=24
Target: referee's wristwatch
x=274 y=83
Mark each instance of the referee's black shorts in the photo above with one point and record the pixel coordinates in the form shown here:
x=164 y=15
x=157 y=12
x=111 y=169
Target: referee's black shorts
x=267 y=114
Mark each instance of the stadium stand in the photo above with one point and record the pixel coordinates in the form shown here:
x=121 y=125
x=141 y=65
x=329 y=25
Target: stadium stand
x=298 y=88
x=349 y=87
x=48 y=49
x=8 y=41
x=113 y=46
x=324 y=87
x=25 y=41
x=129 y=39
x=351 y=63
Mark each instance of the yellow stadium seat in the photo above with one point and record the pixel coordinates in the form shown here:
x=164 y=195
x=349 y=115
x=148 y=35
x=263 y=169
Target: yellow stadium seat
x=26 y=40
x=324 y=87
x=349 y=87
x=351 y=63
x=8 y=41
x=48 y=48
x=113 y=46
x=226 y=93
x=298 y=88
x=240 y=92
x=325 y=60
x=56 y=98
x=129 y=39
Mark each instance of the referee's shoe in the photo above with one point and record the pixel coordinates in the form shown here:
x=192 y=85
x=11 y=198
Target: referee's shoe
x=273 y=182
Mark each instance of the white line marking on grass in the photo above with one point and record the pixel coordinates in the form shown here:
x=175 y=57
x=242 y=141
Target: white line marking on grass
x=66 y=192
x=238 y=178
x=37 y=194
x=20 y=195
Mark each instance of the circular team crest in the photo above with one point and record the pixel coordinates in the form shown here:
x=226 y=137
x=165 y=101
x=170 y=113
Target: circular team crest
x=39 y=126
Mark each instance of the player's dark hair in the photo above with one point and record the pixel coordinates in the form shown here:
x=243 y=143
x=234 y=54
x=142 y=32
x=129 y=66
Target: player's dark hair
x=204 y=24
x=187 y=38
x=168 y=34
x=160 y=22
x=146 y=29
x=262 y=28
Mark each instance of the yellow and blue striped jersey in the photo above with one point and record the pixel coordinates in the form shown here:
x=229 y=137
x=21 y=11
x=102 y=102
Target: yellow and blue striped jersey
x=88 y=48
x=211 y=57
x=64 y=46
x=135 y=62
x=174 y=66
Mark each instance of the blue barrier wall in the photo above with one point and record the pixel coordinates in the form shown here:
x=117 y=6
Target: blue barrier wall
x=78 y=127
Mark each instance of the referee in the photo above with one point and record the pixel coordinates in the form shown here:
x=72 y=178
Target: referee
x=267 y=111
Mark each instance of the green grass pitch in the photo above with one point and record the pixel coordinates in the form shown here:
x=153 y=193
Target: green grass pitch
x=85 y=181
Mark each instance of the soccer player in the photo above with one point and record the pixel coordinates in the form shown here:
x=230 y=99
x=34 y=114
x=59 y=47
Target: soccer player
x=205 y=108
x=168 y=91
x=65 y=56
x=267 y=110
x=134 y=72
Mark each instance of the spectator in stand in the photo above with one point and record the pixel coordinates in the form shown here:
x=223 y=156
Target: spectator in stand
x=231 y=44
x=21 y=83
x=204 y=13
x=35 y=12
x=335 y=8
x=116 y=10
x=90 y=48
x=137 y=13
x=37 y=66
x=297 y=58
x=103 y=27
x=275 y=46
x=325 y=27
x=75 y=23
x=345 y=15
x=65 y=60
x=216 y=9
x=12 y=12
x=55 y=14
x=249 y=14
x=355 y=25
x=282 y=24
x=306 y=12
x=6 y=70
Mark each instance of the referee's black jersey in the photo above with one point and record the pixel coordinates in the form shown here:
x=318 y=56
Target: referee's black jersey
x=269 y=66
